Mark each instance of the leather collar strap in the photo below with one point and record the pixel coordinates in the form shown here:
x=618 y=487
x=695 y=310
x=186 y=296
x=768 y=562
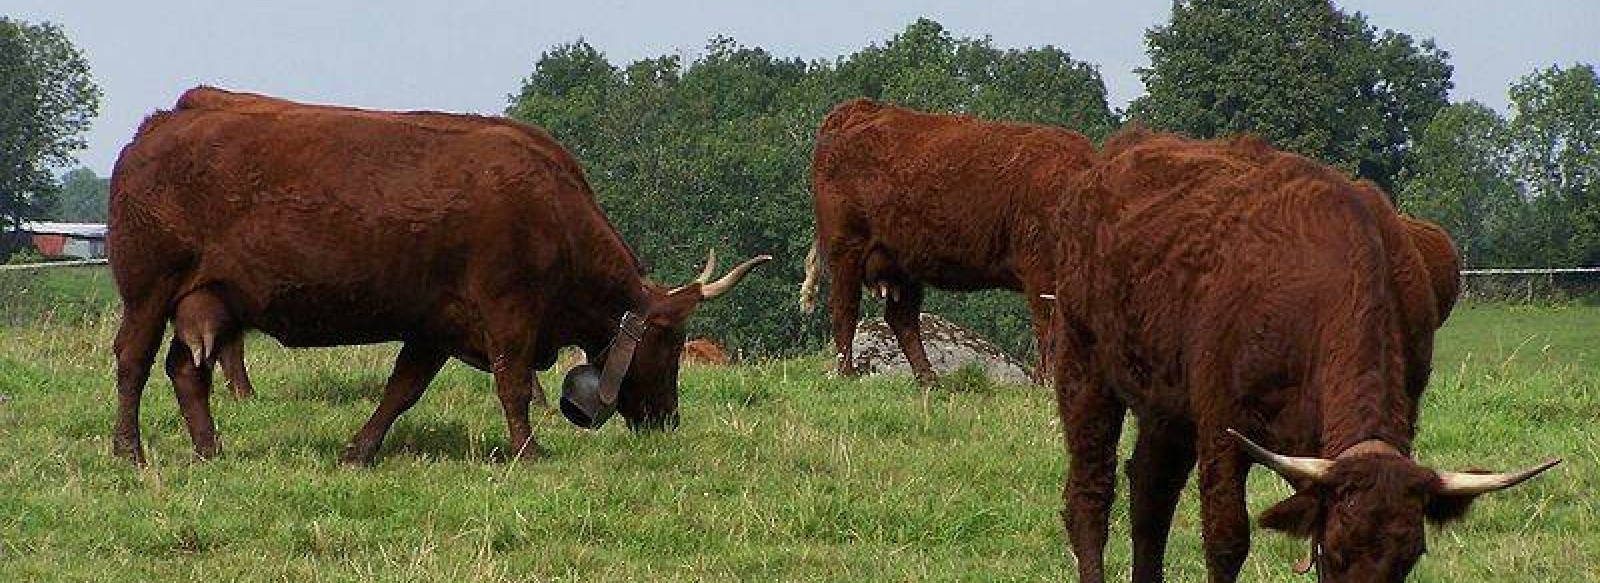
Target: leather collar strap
x=620 y=356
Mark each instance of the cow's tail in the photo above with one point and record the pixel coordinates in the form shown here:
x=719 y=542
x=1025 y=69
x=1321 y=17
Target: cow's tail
x=808 y=288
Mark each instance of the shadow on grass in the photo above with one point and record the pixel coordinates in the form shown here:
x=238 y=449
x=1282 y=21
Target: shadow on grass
x=422 y=439
x=430 y=439
x=331 y=387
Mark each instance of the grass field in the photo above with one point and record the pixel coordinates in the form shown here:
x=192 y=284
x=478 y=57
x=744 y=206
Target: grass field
x=778 y=473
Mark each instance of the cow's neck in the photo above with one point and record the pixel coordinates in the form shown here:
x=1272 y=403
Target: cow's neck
x=1356 y=412
x=596 y=306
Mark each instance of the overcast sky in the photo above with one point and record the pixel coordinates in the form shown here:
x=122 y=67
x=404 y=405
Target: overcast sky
x=467 y=55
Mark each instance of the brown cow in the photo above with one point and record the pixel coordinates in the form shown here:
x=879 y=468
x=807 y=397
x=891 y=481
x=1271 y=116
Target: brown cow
x=905 y=198
x=1210 y=287
x=459 y=236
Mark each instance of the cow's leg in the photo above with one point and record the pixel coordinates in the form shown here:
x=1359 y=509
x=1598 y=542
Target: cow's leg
x=138 y=338
x=191 y=382
x=1224 y=519
x=231 y=356
x=1160 y=465
x=515 y=384
x=844 y=306
x=1092 y=420
x=1041 y=310
x=903 y=312
x=415 y=367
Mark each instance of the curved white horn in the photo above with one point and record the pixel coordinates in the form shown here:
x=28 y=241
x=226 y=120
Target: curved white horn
x=1473 y=484
x=1290 y=467
x=710 y=268
x=721 y=286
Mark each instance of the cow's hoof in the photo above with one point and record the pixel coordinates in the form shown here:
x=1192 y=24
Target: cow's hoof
x=355 y=462
x=530 y=452
x=357 y=457
x=127 y=449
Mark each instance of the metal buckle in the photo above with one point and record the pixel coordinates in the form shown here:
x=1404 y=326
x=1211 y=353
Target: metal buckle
x=633 y=326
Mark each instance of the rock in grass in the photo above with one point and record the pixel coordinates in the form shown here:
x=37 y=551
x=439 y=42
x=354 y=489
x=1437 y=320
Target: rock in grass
x=949 y=347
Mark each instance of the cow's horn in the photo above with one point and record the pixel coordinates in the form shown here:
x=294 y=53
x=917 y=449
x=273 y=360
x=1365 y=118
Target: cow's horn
x=709 y=269
x=1291 y=468
x=1473 y=484
x=721 y=286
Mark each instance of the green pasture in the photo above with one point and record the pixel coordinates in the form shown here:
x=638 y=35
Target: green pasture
x=779 y=472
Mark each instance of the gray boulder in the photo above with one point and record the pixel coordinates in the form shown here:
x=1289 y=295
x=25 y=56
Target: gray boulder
x=949 y=346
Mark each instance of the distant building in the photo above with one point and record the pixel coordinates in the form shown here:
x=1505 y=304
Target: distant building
x=77 y=240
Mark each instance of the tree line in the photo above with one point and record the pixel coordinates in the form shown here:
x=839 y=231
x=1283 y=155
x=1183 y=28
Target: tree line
x=686 y=154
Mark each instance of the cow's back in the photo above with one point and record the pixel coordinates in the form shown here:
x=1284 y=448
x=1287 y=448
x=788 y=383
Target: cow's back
x=329 y=225
x=1192 y=248
x=1444 y=263
x=953 y=197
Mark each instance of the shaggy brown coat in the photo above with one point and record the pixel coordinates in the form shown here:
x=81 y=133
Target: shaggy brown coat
x=1208 y=286
x=905 y=198
x=461 y=236
x=1442 y=259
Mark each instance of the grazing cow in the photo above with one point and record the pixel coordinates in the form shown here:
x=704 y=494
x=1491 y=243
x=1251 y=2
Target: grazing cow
x=905 y=198
x=1214 y=287
x=459 y=236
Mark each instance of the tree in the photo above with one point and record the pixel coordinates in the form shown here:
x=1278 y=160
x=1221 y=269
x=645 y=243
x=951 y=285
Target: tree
x=1521 y=191
x=1462 y=181
x=927 y=68
x=47 y=99
x=1555 y=153
x=83 y=197
x=716 y=152
x=567 y=94
x=1301 y=73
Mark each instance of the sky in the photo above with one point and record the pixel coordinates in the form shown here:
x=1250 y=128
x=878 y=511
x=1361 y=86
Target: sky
x=468 y=55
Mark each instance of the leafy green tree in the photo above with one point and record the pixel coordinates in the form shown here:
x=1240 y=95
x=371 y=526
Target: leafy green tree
x=1462 y=181
x=568 y=93
x=927 y=68
x=83 y=197
x=47 y=99
x=1555 y=134
x=716 y=152
x=1301 y=73
x=1521 y=191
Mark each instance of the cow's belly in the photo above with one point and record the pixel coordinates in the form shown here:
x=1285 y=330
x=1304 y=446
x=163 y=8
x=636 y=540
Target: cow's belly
x=955 y=269
x=330 y=316
x=332 y=287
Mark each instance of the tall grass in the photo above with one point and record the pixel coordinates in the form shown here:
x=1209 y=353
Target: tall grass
x=778 y=473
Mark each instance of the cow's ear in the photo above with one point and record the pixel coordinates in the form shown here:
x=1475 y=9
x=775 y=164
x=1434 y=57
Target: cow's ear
x=1443 y=508
x=1296 y=516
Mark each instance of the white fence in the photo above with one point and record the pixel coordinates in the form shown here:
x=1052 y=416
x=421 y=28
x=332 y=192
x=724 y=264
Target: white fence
x=1530 y=285
x=1516 y=284
x=50 y=264
x=1550 y=271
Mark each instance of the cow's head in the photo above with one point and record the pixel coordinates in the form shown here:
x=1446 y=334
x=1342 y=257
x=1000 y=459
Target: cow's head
x=1364 y=510
x=639 y=374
